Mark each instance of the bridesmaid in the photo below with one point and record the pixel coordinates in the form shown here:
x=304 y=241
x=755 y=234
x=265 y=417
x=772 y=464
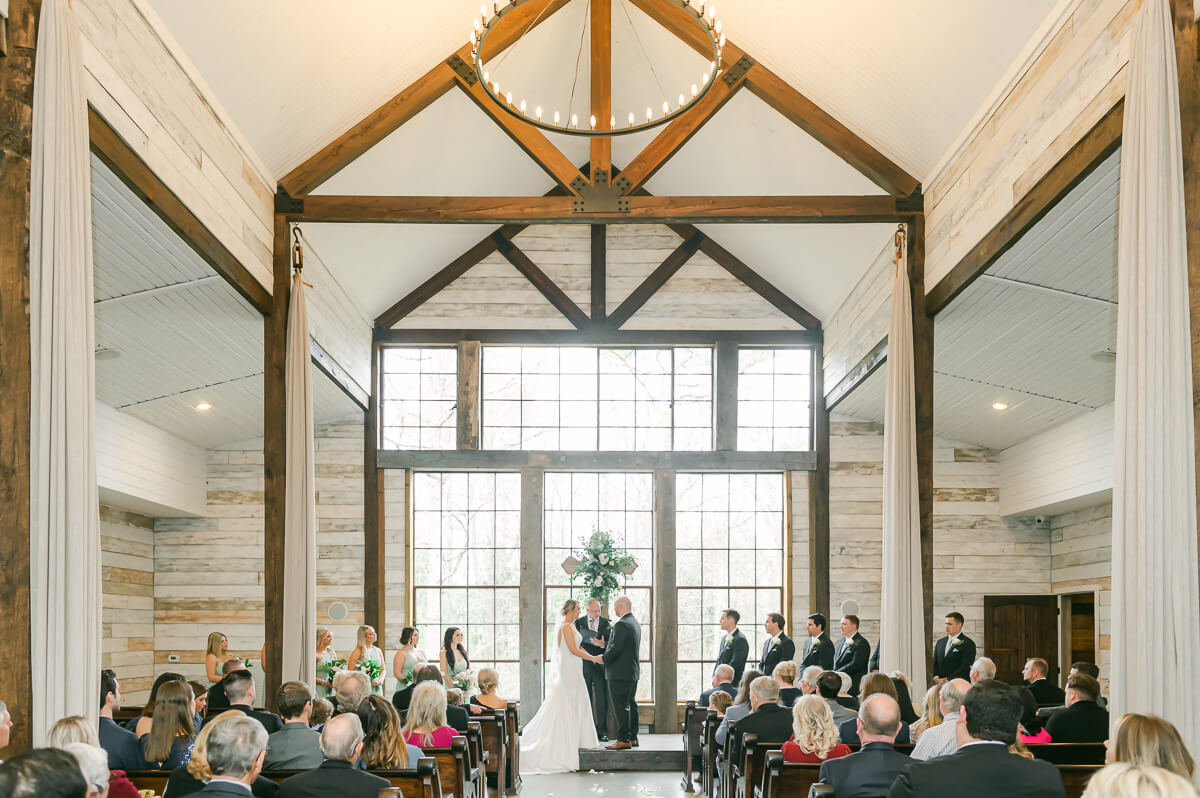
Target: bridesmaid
x=367 y=651
x=453 y=659
x=409 y=658
x=325 y=657
x=214 y=658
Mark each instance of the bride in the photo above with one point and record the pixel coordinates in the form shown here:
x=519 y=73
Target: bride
x=551 y=741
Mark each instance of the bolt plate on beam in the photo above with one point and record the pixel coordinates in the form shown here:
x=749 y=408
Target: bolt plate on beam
x=738 y=70
x=462 y=69
x=286 y=203
x=601 y=196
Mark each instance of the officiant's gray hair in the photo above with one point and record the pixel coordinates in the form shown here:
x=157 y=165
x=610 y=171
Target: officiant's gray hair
x=569 y=605
x=596 y=601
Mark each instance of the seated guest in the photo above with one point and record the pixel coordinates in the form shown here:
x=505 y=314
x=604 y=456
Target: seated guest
x=239 y=687
x=871 y=684
x=488 y=682
x=456 y=714
x=76 y=730
x=771 y=722
x=828 y=686
x=740 y=707
x=1129 y=780
x=42 y=773
x=141 y=724
x=1090 y=669
x=785 y=677
x=168 y=743
x=342 y=742
x=1031 y=730
x=981 y=669
x=814 y=735
x=236 y=750
x=201 y=694
x=908 y=712
x=871 y=770
x=943 y=738
x=844 y=696
x=722 y=682
x=402 y=698
x=5 y=726
x=933 y=713
x=1150 y=740
x=192 y=777
x=124 y=753
x=217 y=700
x=93 y=763
x=808 y=679
x=982 y=767
x=425 y=725
x=1044 y=691
x=322 y=711
x=1083 y=721
x=720 y=702
x=384 y=747
x=350 y=688
x=295 y=746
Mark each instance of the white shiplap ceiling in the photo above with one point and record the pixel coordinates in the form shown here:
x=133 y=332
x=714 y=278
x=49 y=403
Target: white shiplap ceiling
x=1031 y=332
x=183 y=333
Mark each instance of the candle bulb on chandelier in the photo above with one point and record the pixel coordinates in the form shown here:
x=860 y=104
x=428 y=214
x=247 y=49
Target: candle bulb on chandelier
x=649 y=113
x=666 y=108
x=556 y=118
x=695 y=91
x=593 y=121
x=612 y=122
x=508 y=97
x=575 y=121
x=631 y=119
x=537 y=112
x=712 y=14
x=522 y=106
x=682 y=100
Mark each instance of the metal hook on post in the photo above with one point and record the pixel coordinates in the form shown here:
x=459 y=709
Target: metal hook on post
x=900 y=239
x=297 y=251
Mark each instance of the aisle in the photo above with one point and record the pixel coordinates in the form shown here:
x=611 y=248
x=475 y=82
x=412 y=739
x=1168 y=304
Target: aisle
x=605 y=785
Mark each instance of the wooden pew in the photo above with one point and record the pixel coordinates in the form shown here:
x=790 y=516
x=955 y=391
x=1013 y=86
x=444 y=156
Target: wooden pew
x=1069 y=753
x=693 y=726
x=477 y=759
x=422 y=781
x=1075 y=778
x=709 y=753
x=785 y=778
x=454 y=770
x=493 y=739
x=512 y=744
x=748 y=773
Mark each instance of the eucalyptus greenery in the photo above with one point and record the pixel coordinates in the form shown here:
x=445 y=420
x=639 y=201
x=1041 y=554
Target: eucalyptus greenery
x=601 y=565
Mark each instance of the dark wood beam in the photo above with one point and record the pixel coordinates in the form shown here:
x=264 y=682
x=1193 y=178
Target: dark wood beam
x=856 y=376
x=599 y=283
x=793 y=105
x=500 y=459
x=725 y=399
x=643 y=210
x=16 y=135
x=275 y=458
x=468 y=394
x=601 y=82
x=655 y=281
x=329 y=366
x=374 y=537
x=922 y=321
x=110 y=148
x=413 y=99
x=818 y=499
x=598 y=336
x=1096 y=145
x=542 y=282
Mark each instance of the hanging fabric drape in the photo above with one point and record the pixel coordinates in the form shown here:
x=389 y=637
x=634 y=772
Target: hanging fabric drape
x=1156 y=612
x=902 y=637
x=300 y=515
x=64 y=529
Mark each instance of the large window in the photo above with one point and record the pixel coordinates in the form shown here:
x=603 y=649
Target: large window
x=774 y=399
x=466 y=552
x=729 y=554
x=420 y=390
x=578 y=504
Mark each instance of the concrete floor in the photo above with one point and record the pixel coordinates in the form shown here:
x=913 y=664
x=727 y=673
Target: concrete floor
x=605 y=785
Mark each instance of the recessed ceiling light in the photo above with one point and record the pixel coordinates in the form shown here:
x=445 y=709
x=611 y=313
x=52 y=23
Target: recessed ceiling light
x=203 y=407
x=999 y=405
x=105 y=353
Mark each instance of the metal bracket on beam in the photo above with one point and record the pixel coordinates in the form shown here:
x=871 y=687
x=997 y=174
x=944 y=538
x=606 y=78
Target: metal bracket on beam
x=601 y=196
x=285 y=203
x=462 y=69
x=913 y=203
x=738 y=70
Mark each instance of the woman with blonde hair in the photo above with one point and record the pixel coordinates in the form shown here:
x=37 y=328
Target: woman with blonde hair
x=814 y=737
x=172 y=729
x=1132 y=780
x=75 y=729
x=215 y=655
x=384 y=747
x=325 y=657
x=785 y=677
x=488 y=681
x=1150 y=740
x=425 y=725
x=933 y=713
x=192 y=777
x=367 y=651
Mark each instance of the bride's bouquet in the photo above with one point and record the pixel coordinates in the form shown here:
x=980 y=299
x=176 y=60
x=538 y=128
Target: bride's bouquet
x=464 y=680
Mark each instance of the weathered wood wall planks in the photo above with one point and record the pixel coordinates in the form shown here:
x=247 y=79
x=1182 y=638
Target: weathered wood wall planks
x=127 y=590
x=1081 y=561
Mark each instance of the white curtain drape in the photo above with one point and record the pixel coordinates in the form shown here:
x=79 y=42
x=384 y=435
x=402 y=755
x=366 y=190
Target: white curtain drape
x=300 y=515
x=64 y=519
x=902 y=637
x=1156 y=612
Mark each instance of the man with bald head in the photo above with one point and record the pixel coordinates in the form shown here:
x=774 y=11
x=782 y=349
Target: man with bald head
x=872 y=769
x=622 y=672
x=942 y=739
x=341 y=742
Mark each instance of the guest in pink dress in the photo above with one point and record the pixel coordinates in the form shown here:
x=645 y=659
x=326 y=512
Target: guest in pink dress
x=425 y=725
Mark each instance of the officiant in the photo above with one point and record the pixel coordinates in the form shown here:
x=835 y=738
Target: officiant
x=595 y=630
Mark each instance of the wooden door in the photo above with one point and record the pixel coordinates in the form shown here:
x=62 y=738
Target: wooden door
x=1016 y=628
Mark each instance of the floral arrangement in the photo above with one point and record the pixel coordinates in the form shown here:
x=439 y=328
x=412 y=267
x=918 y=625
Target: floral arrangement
x=371 y=668
x=464 y=680
x=601 y=564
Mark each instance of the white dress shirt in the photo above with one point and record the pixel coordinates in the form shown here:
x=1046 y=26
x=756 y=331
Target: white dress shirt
x=937 y=741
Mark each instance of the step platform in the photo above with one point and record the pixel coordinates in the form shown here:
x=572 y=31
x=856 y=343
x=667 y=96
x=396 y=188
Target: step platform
x=656 y=752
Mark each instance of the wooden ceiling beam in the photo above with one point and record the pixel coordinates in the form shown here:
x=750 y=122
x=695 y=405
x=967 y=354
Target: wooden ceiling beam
x=542 y=282
x=601 y=82
x=413 y=99
x=655 y=281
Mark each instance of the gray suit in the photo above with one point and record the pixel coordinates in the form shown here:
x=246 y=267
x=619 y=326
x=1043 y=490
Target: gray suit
x=840 y=713
x=294 y=747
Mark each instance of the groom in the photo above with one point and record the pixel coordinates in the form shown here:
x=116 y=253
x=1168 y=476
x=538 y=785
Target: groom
x=622 y=672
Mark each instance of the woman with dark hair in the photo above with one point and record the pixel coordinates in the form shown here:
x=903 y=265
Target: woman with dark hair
x=908 y=712
x=1031 y=730
x=409 y=658
x=141 y=724
x=872 y=683
x=168 y=744
x=384 y=747
x=454 y=659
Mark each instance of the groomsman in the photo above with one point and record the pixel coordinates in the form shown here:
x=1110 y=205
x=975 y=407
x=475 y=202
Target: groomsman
x=595 y=629
x=954 y=653
x=818 y=648
x=852 y=653
x=779 y=647
x=735 y=648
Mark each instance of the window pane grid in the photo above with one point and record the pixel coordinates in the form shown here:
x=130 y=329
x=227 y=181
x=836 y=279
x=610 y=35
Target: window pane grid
x=774 y=399
x=420 y=398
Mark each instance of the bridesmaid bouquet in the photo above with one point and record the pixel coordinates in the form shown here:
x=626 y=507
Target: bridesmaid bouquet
x=371 y=668
x=406 y=678
x=464 y=680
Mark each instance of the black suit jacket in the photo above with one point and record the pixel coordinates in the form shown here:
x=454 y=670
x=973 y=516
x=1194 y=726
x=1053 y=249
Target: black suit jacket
x=734 y=654
x=723 y=687
x=270 y=721
x=181 y=783
x=873 y=665
x=1047 y=692
x=334 y=777
x=124 y=751
x=771 y=722
x=603 y=627
x=956 y=663
x=1082 y=722
x=773 y=655
x=224 y=789
x=820 y=653
x=621 y=651
x=218 y=702
x=852 y=660
x=867 y=773
x=981 y=771
x=848 y=733
x=457 y=717
x=401 y=699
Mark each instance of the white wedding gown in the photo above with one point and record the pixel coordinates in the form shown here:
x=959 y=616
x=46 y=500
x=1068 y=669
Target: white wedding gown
x=550 y=742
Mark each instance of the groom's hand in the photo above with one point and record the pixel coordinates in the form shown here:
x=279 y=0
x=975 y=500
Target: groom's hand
x=597 y=641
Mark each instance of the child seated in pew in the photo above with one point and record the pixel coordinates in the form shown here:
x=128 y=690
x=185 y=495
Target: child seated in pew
x=720 y=701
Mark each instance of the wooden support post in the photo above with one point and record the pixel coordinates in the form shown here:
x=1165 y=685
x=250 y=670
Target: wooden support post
x=923 y=378
x=666 y=605
x=601 y=102
x=725 y=410
x=818 y=497
x=16 y=134
x=468 y=394
x=374 y=549
x=599 y=273
x=533 y=582
x=275 y=457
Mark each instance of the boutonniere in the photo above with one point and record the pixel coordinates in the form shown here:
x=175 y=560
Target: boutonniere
x=956 y=643
x=774 y=641
x=850 y=644
x=816 y=641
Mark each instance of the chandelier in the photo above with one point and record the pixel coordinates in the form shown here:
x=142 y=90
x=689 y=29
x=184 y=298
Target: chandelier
x=702 y=12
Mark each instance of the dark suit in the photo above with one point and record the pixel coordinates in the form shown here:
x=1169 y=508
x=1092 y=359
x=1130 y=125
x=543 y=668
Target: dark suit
x=723 y=687
x=772 y=655
x=1082 y=722
x=852 y=660
x=457 y=717
x=218 y=702
x=294 y=747
x=986 y=770
x=270 y=721
x=819 y=653
x=873 y=665
x=593 y=672
x=848 y=733
x=771 y=722
x=225 y=790
x=955 y=663
x=401 y=699
x=124 y=752
x=734 y=654
x=181 y=783
x=1047 y=692
x=622 y=672
x=867 y=773
x=334 y=777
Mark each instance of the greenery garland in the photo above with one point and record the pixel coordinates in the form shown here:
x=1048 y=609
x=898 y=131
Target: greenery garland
x=601 y=565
